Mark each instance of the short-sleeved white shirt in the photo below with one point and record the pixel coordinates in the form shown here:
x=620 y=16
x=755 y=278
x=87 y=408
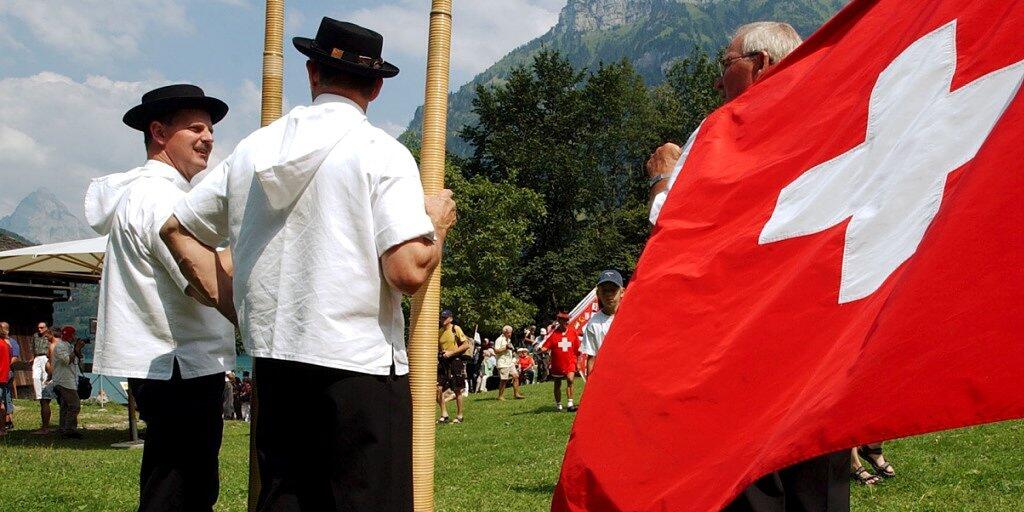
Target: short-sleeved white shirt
x=594 y=333
x=505 y=359
x=145 y=320
x=309 y=204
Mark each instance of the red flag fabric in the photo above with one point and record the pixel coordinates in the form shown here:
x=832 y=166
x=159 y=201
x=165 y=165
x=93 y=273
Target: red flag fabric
x=578 y=318
x=840 y=262
x=581 y=313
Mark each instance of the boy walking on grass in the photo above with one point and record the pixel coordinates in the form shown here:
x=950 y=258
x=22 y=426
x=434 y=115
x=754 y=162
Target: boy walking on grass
x=564 y=347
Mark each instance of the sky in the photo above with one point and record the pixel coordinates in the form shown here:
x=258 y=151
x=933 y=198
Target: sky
x=69 y=71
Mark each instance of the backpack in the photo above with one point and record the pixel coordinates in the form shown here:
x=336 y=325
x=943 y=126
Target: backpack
x=468 y=354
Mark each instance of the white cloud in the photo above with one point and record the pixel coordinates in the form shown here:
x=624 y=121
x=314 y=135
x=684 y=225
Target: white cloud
x=18 y=148
x=65 y=133
x=393 y=129
x=483 y=31
x=94 y=30
x=60 y=133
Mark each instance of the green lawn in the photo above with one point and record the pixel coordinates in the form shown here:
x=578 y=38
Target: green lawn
x=505 y=457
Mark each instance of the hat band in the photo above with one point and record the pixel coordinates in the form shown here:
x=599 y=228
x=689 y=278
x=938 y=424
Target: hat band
x=362 y=60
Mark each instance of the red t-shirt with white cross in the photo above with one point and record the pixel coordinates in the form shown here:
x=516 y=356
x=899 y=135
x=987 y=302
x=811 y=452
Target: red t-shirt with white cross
x=565 y=348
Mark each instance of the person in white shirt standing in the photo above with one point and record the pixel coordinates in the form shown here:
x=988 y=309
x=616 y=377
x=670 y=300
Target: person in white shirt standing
x=609 y=294
x=328 y=226
x=172 y=349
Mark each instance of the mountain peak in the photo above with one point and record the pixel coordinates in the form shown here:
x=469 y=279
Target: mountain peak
x=40 y=194
x=581 y=16
x=42 y=217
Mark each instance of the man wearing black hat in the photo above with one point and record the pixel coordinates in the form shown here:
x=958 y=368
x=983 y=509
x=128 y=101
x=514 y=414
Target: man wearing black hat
x=173 y=350
x=328 y=227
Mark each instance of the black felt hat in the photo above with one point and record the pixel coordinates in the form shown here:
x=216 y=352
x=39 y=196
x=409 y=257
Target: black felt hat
x=347 y=46
x=167 y=99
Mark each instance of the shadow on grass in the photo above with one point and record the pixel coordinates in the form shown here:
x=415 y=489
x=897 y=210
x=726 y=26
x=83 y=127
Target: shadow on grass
x=93 y=439
x=543 y=409
x=546 y=489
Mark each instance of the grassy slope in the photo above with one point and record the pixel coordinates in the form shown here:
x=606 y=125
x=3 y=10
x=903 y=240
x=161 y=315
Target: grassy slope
x=505 y=457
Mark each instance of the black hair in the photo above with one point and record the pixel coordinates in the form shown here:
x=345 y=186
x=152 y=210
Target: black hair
x=334 y=77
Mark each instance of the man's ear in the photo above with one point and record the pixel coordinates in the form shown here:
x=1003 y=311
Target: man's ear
x=157 y=132
x=762 y=64
x=314 y=73
x=377 y=88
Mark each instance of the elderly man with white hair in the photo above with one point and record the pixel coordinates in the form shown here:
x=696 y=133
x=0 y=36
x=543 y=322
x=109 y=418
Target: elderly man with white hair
x=755 y=48
x=507 y=372
x=816 y=485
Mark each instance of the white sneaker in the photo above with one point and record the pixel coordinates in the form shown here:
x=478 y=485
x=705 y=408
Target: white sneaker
x=558 y=407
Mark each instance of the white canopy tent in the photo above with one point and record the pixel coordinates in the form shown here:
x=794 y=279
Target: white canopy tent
x=80 y=257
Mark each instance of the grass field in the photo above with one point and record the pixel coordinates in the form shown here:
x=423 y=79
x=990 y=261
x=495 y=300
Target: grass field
x=504 y=458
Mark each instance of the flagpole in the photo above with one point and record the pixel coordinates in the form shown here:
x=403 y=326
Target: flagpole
x=426 y=302
x=273 y=83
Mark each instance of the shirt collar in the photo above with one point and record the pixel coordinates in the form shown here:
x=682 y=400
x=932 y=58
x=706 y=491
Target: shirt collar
x=161 y=169
x=336 y=98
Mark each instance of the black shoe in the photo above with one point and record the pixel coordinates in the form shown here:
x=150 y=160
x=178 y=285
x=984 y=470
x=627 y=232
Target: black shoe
x=571 y=408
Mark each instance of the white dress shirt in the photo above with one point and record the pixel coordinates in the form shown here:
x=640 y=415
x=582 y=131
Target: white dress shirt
x=594 y=333
x=145 y=319
x=659 y=200
x=309 y=204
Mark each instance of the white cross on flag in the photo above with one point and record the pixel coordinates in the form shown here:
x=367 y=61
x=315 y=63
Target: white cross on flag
x=839 y=262
x=565 y=344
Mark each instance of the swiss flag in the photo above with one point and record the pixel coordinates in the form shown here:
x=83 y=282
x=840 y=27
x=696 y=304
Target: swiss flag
x=841 y=261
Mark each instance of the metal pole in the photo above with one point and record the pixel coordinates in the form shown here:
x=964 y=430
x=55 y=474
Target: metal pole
x=273 y=83
x=426 y=302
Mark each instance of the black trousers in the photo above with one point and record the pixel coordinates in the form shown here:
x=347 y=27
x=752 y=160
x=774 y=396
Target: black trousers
x=332 y=440
x=183 y=434
x=821 y=484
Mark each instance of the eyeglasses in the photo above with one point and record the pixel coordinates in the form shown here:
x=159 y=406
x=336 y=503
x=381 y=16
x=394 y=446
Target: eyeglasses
x=725 y=63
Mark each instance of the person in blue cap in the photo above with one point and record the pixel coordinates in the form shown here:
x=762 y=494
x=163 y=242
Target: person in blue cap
x=609 y=294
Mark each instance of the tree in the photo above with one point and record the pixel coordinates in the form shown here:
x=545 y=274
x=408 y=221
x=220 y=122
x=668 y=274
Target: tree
x=579 y=141
x=687 y=96
x=556 y=190
x=483 y=252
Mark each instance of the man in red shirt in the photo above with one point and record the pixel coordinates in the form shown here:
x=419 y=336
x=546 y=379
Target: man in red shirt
x=5 y=370
x=565 y=350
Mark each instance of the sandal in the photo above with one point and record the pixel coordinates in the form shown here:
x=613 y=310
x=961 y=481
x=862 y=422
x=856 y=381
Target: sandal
x=442 y=420
x=869 y=454
x=458 y=419
x=862 y=476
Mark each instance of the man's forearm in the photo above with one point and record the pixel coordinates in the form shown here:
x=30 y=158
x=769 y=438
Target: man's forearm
x=208 y=274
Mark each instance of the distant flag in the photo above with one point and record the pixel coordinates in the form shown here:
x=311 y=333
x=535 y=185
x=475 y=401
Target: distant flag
x=581 y=313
